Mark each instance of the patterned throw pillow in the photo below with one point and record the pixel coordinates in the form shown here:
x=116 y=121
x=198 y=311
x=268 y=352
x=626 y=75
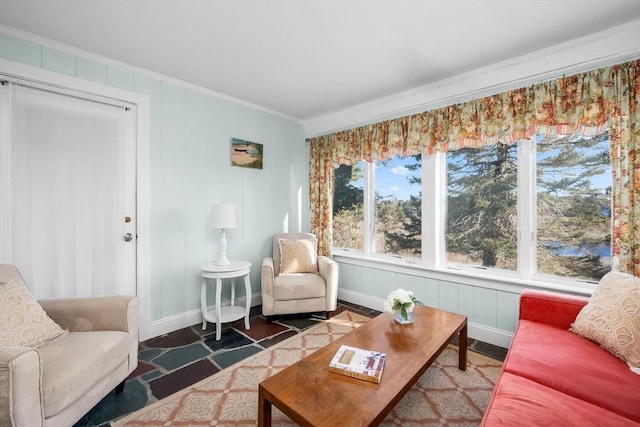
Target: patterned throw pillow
x=23 y=322
x=297 y=256
x=612 y=317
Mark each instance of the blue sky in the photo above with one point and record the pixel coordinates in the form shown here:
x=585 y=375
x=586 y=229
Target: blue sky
x=392 y=180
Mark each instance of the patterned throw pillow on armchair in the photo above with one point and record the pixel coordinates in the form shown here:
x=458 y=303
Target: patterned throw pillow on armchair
x=297 y=256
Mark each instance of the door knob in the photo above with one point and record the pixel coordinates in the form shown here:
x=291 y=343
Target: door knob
x=128 y=237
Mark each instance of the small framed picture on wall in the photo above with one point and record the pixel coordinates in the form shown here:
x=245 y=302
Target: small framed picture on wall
x=246 y=154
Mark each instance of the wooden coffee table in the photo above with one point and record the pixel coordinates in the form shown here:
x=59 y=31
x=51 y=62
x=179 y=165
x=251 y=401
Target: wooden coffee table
x=312 y=396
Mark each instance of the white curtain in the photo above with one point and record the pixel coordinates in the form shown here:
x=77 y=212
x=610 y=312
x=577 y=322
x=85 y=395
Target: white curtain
x=67 y=193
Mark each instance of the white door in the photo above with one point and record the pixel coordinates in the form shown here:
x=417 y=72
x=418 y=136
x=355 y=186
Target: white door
x=72 y=181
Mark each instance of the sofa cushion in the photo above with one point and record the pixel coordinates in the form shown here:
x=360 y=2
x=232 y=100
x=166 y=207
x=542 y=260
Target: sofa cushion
x=517 y=401
x=23 y=322
x=559 y=359
x=75 y=362
x=297 y=256
x=299 y=286
x=612 y=317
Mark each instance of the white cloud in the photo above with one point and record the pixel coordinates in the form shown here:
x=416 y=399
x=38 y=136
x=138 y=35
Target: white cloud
x=399 y=170
x=392 y=191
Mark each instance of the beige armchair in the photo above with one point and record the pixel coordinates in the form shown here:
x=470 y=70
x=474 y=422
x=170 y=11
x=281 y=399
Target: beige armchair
x=295 y=279
x=57 y=364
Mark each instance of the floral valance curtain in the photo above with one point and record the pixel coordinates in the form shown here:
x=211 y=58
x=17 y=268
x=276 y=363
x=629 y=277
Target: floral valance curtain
x=590 y=102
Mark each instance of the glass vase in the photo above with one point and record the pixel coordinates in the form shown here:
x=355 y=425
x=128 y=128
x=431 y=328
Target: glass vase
x=397 y=315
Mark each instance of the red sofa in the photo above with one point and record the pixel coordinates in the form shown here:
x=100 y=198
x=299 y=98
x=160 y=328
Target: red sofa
x=553 y=377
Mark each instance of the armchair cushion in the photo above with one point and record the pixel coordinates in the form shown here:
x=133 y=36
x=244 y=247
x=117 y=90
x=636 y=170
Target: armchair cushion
x=297 y=256
x=23 y=322
x=65 y=378
x=612 y=317
x=299 y=286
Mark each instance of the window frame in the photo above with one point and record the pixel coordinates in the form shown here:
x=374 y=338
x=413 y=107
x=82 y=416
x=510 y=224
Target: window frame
x=433 y=260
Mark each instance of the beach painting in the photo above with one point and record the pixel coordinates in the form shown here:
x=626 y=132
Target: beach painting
x=246 y=154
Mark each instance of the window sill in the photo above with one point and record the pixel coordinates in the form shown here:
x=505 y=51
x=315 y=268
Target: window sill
x=491 y=279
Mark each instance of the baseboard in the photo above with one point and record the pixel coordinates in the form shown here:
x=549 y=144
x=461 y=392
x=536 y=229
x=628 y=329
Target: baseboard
x=361 y=299
x=476 y=331
x=490 y=335
x=190 y=318
x=194 y=317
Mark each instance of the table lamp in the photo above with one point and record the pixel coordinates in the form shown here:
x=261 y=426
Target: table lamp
x=222 y=216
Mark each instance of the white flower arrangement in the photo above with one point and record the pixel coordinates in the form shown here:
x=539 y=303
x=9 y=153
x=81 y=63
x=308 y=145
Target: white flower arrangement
x=401 y=300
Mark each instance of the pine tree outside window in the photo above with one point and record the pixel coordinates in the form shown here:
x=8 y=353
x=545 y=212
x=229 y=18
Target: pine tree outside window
x=573 y=206
x=482 y=204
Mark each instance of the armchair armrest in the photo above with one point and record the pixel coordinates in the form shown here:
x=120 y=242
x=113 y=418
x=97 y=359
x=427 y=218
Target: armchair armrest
x=20 y=393
x=328 y=270
x=550 y=307
x=104 y=313
x=267 y=273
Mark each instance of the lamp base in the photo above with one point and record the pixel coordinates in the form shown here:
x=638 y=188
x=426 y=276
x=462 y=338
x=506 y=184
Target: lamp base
x=222 y=260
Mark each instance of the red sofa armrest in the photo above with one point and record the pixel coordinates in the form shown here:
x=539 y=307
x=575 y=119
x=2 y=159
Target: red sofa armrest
x=550 y=307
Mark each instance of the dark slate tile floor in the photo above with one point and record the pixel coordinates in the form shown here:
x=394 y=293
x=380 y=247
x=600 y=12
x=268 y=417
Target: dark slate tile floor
x=176 y=360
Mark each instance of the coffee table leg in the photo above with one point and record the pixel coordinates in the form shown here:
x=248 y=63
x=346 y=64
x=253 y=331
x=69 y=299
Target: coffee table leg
x=462 y=348
x=264 y=410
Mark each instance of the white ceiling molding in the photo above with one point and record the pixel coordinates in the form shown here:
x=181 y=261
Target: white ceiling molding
x=91 y=56
x=605 y=48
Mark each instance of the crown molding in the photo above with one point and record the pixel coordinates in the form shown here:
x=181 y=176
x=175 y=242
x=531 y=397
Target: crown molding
x=612 y=46
x=92 y=56
x=608 y=47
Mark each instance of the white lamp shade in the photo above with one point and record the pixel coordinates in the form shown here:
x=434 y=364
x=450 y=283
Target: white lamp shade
x=222 y=216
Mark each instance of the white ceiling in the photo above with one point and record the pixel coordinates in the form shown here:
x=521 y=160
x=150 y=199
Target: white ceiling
x=308 y=58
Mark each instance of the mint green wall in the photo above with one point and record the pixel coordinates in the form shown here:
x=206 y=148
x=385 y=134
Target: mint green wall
x=190 y=169
x=486 y=307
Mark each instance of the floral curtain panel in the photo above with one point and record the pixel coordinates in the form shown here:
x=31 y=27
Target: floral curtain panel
x=606 y=98
x=321 y=194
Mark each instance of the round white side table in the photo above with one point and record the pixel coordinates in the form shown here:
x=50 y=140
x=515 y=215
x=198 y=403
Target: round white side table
x=227 y=313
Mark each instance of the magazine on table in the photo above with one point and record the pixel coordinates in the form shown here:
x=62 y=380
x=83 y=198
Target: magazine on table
x=358 y=363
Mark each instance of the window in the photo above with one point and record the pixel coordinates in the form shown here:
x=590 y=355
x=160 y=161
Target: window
x=348 y=207
x=573 y=205
x=537 y=208
x=398 y=203
x=390 y=207
x=482 y=203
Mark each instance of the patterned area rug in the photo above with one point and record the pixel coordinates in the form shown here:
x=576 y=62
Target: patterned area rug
x=443 y=396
